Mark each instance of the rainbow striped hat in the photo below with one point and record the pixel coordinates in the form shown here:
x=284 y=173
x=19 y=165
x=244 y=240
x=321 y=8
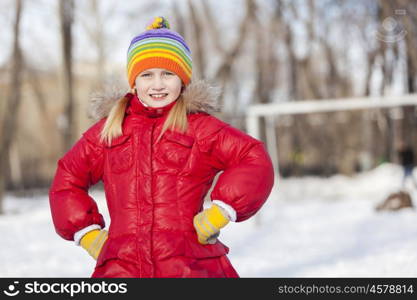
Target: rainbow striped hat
x=159 y=47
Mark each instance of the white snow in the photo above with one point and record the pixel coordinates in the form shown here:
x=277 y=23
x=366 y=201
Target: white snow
x=309 y=227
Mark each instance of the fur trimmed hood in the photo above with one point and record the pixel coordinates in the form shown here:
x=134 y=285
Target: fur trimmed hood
x=199 y=96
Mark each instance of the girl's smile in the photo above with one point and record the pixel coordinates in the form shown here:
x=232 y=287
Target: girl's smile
x=159 y=96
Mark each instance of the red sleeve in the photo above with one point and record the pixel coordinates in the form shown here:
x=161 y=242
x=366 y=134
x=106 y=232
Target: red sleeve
x=72 y=208
x=248 y=174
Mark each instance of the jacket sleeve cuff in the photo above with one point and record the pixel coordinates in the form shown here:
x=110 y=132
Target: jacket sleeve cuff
x=79 y=234
x=229 y=210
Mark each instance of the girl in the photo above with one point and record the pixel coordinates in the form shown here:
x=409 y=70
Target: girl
x=157 y=150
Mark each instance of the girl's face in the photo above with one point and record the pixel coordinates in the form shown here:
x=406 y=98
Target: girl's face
x=158 y=87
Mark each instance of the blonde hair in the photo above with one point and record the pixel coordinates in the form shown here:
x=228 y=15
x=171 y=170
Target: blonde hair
x=176 y=120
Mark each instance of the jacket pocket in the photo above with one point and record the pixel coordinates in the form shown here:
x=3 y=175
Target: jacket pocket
x=175 y=149
x=120 y=154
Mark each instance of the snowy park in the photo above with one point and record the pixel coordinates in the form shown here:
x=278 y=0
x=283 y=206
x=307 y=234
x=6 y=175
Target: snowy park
x=309 y=227
x=155 y=98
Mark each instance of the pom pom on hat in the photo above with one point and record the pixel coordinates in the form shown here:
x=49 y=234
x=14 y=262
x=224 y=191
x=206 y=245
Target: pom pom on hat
x=159 y=47
x=157 y=23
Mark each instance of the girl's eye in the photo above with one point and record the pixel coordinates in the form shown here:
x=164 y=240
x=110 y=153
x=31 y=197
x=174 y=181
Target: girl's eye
x=145 y=75
x=169 y=73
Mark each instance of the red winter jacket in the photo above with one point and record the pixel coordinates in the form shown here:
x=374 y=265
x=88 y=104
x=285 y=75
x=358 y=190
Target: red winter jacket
x=154 y=190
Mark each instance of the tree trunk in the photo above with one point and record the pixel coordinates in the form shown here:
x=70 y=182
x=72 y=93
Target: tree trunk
x=224 y=72
x=97 y=35
x=9 y=123
x=66 y=11
x=199 y=65
x=409 y=120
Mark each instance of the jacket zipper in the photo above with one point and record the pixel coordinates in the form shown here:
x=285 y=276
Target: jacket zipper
x=152 y=222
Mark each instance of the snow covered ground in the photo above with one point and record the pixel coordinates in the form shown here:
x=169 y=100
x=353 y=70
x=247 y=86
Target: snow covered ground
x=310 y=227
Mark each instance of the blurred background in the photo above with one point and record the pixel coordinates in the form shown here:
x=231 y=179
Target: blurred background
x=329 y=213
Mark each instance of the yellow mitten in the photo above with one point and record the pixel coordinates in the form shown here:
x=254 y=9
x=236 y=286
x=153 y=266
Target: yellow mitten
x=93 y=241
x=208 y=224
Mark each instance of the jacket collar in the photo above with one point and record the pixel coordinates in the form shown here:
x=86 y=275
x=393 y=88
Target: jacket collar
x=199 y=96
x=135 y=106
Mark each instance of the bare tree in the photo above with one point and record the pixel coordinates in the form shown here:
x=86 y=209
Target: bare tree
x=198 y=53
x=98 y=37
x=178 y=19
x=94 y=24
x=266 y=37
x=66 y=13
x=9 y=124
x=409 y=21
x=225 y=70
